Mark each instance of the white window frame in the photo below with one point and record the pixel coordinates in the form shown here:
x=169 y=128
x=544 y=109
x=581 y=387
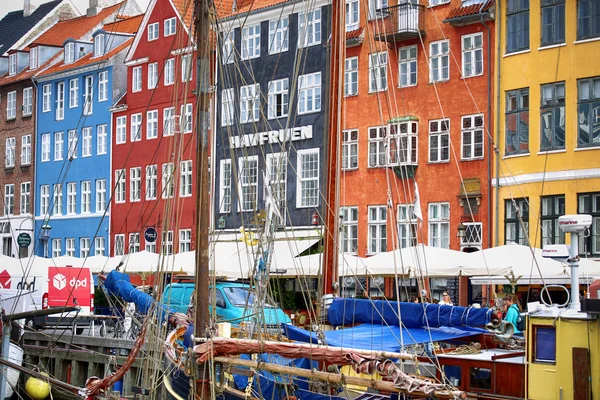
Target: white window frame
x=46 y=98
x=59 y=145
x=185 y=118
x=150 y=247
x=472 y=52
x=378 y=66
x=135 y=126
x=86 y=142
x=349 y=150
x=185 y=240
x=352 y=15
x=169 y=72
x=120 y=186
x=166 y=247
x=170 y=26
x=227 y=106
x=437 y=55
x=26 y=150
x=57 y=199
x=45 y=145
x=86 y=197
x=351 y=76
x=377 y=232
x=73 y=92
x=377 y=155
x=276 y=170
x=169 y=121
x=10 y=152
x=73 y=141
x=250 y=42
x=27 y=101
x=309 y=28
x=100 y=246
x=248 y=183
x=153 y=31
x=279 y=35
x=249 y=103
x=403 y=143
x=12 y=64
x=69 y=53
x=33 y=58
x=407 y=226
x=152 y=124
x=470 y=135
x=187 y=70
x=9 y=199
x=11 y=105
x=121 y=136
x=103 y=86
x=119 y=246
x=70 y=247
x=437 y=135
x=100 y=195
x=225 y=188
x=152 y=75
x=185 y=179
x=168 y=181
x=151 y=181
x=349 y=229
x=60 y=101
x=134 y=242
x=278 y=98
x=71 y=198
x=56 y=248
x=25 y=198
x=136 y=79
x=135 y=184
x=309 y=93
x=408 y=66
x=101 y=139
x=44 y=200
x=439 y=221
x=88 y=95
x=228 y=47
x=99 y=45
x=306 y=180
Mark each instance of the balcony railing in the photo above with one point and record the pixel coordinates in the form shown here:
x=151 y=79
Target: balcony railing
x=401 y=22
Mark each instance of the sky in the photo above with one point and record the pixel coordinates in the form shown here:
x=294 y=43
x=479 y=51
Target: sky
x=11 y=5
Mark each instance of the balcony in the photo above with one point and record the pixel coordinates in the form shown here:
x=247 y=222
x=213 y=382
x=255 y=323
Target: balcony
x=401 y=22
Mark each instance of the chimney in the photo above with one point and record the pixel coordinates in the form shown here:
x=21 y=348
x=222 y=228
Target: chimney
x=28 y=9
x=93 y=9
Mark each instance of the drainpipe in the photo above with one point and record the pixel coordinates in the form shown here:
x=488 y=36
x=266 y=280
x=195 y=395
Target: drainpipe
x=489 y=115
x=497 y=151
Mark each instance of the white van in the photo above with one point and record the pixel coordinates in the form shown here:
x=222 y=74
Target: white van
x=50 y=287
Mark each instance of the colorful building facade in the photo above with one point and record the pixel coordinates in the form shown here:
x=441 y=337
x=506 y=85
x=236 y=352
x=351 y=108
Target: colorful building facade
x=548 y=130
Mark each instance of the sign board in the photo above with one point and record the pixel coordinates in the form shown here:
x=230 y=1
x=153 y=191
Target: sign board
x=150 y=234
x=472 y=186
x=68 y=283
x=271 y=137
x=24 y=239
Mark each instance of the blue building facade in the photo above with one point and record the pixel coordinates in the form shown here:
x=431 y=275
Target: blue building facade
x=271 y=121
x=73 y=154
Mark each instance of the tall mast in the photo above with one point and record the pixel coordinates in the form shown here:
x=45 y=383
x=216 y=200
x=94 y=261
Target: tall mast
x=330 y=260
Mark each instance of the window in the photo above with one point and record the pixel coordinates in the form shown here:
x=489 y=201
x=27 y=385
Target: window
x=377 y=229
x=119 y=244
x=150 y=247
x=185 y=240
x=227 y=106
x=33 y=58
x=152 y=124
x=439 y=225
x=472 y=55
x=27 y=101
x=57 y=199
x=135 y=183
x=102 y=141
x=225 y=187
x=70 y=247
x=439 y=58
x=120 y=186
x=278 y=98
x=167 y=243
x=552 y=208
x=44 y=200
x=46 y=95
x=278 y=35
x=100 y=195
x=25 y=197
x=136 y=127
x=152 y=31
x=588 y=110
x=12 y=64
x=60 y=101
x=167 y=181
x=377 y=72
x=86 y=142
x=375 y=6
x=472 y=137
x=276 y=180
x=69 y=53
x=151 y=182
x=516 y=210
x=407 y=66
x=11 y=105
x=480 y=378
x=439 y=140
x=170 y=26
x=407 y=226
x=309 y=28
x=309 y=93
x=86 y=197
x=402 y=143
x=88 y=95
x=9 y=156
x=134 y=242
x=553 y=22
x=249 y=103
x=99 y=45
x=59 y=143
x=99 y=246
x=517 y=122
x=186 y=68
x=588 y=19
x=45 y=147
x=544 y=346
x=121 y=130
x=152 y=75
x=136 y=81
x=517 y=25
x=350 y=149
x=103 y=86
x=308 y=178
x=9 y=199
x=169 y=72
x=169 y=121
x=185 y=179
x=73 y=93
x=248 y=183
x=73 y=140
x=552 y=112
x=351 y=77
x=589 y=203
x=377 y=144
x=185 y=118
x=349 y=220
x=352 y=15
x=56 y=248
x=228 y=46
x=84 y=247
x=71 y=198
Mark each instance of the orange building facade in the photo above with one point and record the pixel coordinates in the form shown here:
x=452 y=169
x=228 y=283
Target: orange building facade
x=418 y=107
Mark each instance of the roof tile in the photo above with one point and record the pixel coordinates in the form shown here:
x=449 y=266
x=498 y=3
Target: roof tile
x=355 y=33
x=125 y=25
x=472 y=9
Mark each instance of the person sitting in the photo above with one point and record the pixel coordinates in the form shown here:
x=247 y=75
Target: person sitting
x=511 y=307
x=445 y=300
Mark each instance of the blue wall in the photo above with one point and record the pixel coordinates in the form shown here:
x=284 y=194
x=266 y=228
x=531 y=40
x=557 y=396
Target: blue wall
x=92 y=168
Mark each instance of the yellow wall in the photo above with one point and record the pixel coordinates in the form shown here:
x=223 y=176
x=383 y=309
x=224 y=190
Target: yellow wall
x=545 y=380
x=532 y=68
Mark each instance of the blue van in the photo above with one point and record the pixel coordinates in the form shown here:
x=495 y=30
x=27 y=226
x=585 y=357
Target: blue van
x=233 y=302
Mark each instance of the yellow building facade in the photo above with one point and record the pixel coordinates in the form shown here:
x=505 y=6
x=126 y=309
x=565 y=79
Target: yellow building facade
x=548 y=120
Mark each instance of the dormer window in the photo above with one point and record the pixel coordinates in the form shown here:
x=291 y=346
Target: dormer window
x=99 y=45
x=69 y=53
x=33 y=58
x=12 y=64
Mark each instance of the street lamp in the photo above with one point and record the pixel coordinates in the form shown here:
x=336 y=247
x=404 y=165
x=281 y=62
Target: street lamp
x=46 y=236
x=314 y=220
x=462 y=232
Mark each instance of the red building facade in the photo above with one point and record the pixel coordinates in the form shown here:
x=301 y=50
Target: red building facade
x=417 y=109
x=153 y=144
